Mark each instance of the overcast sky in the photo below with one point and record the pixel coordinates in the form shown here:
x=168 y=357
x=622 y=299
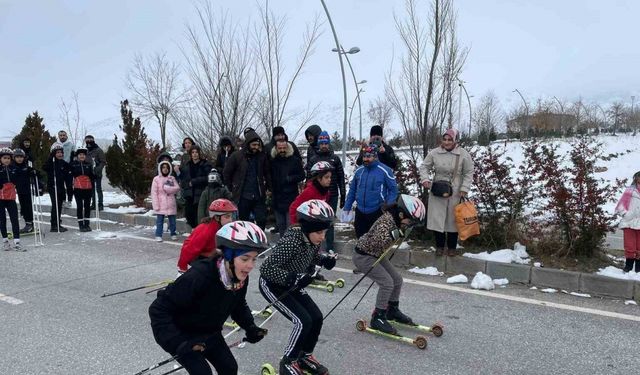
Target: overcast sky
x=568 y=48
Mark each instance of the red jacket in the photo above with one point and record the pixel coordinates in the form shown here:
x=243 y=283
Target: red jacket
x=311 y=191
x=201 y=242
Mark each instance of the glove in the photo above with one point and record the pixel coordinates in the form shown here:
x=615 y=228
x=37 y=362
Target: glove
x=302 y=280
x=328 y=261
x=189 y=346
x=254 y=334
x=342 y=199
x=396 y=234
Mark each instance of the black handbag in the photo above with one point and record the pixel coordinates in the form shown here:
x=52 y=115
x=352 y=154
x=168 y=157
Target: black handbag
x=443 y=188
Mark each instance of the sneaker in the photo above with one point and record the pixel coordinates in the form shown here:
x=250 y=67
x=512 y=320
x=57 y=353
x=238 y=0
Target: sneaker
x=158 y=239
x=63 y=229
x=174 y=237
x=394 y=313
x=28 y=228
x=290 y=367
x=380 y=323
x=55 y=229
x=18 y=247
x=310 y=364
x=6 y=246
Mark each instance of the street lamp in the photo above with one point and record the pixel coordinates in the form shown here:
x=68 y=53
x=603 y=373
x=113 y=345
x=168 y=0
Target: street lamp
x=352 y=51
x=633 y=114
x=351 y=111
x=344 y=86
x=463 y=87
x=526 y=107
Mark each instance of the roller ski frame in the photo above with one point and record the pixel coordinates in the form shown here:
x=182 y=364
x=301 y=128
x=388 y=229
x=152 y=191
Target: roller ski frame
x=28 y=234
x=420 y=341
x=268 y=369
x=437 y=329
x=327 y=285
x=261 y=313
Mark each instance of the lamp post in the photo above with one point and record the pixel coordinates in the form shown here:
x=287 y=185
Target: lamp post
x=351 y=111
x=526 y=107
x=633 y=113
x=344 y=86
x=353 y=51
x=604 y=116
x=463 y=87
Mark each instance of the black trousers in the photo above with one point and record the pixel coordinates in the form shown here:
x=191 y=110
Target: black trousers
x=191 y=210
x=217 y=352
x=363 y=222
x=257 y=206
x=83 y=205
x=26 y=208
x=451 y=239
x=300 y=309
x=12 y=209
x=97 y=186
x=56 y=210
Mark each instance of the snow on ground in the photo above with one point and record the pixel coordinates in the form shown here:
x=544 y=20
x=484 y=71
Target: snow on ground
x=501 y=282
x=457 y=279
x=482 y=281
x=617 y=273
x=126 y=210
x=583 y=295
x=549 y=290
x=429 y=271
x=534 y=288
x=109 y=197
x=630 y=302
x=501 y=256
x=104 y=235
x=404 y=246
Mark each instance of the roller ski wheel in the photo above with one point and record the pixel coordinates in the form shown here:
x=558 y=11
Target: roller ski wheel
x=420 y=341
x=262 y=313
x=231 y=324
x=328 y=286
x=267 y=369
x=437 y=329
x=340 y=283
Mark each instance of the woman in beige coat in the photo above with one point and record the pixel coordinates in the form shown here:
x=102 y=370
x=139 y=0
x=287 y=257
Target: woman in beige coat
x=439 y=165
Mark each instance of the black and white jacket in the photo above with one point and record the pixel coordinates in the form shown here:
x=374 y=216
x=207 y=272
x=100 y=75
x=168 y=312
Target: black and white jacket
x=292 y=255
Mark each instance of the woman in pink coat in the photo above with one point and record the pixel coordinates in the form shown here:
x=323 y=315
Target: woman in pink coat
x=629 y=208
x=163 y=198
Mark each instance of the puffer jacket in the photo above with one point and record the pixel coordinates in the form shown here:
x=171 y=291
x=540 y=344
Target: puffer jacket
x=629 y=208
x=196 y=175
x=378 y=238
x=286 y=173
x=83 y=176
x=8 y=179
x=163 y=193
x=337 y=176
x=235 y=169
x=26 y=177
x=315 y=131
x=371 y=187
x=293 y=254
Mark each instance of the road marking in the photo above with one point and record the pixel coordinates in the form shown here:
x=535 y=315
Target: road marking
x=10 y=300
x=531 y=301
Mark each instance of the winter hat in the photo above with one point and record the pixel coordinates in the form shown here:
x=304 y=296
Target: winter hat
x=229 y=253
x=251 y=136
x=278 y=130
x=324 y=138
x=370 y=150
x=308 y=226
x=225 y=141
x=376 y=130
x=81 y=150
x=453 y=133
x=247 y=130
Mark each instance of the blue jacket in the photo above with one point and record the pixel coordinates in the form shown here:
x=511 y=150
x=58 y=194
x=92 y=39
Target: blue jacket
x=372 y=186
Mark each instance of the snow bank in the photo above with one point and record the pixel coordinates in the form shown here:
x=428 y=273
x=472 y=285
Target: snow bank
x=617 y=273
x=104 y=235
x=630 y=302
x=583 y=295
x=429 y=271
x=500 y=282
x=482 y=281
x=457 y=279
x=501 y=256
x=126 y=210
x=109 y=197
x=404 y=246
x=549 y=290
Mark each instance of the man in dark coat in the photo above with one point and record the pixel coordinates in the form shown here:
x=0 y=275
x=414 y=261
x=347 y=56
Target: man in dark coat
x=25 y=145
x=286 y=173
x=325 y=153
x=193 y=180
x=96 y=155
x=278 y=134
x=246 y=174
x=311 y=134
x=225 y=149
x=386 y=155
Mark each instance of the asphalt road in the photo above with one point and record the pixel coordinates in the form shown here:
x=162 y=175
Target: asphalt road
x=62 y=326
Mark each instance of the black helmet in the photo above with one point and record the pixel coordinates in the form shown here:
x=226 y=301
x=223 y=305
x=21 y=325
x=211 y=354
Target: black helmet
x=19 y=152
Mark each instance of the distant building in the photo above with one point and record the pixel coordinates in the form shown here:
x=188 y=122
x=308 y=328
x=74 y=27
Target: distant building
x=542 y=122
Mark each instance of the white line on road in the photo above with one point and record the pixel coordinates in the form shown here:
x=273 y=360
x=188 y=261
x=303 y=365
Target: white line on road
x=10 y=300
x=561 y=306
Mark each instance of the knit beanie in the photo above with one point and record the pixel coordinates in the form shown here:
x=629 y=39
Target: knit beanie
x=324 y=138
x=376 y=130
x=278 y=130
x=308 y=226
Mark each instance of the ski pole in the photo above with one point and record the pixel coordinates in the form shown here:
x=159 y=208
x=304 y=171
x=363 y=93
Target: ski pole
x=38 y=210
x=138 y=288
x=159 y=364
x=286 y=293
x=95 y=199
x=393 y=246
x=33 y=210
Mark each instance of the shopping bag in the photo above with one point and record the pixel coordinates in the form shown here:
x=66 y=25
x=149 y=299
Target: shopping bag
x=467 y=219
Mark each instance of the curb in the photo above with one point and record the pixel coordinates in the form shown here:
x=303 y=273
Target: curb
x=516 y=273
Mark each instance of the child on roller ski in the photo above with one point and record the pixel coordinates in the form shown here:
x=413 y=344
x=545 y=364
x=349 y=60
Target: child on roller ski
x=386 y=230
x=188 y=316
x=8 y=178
x=83 y=179
x=285 y=274
x=164 y=188
x=215 y=190
x=201 y=243
x=59 y=180
x=26 y=187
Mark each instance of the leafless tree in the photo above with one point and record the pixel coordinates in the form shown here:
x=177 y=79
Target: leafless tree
x=154 y=83
x=380 y=112
x=616 y=114
x=224 y=79
x=488 y=114
x=70 y=119
x=276 y=90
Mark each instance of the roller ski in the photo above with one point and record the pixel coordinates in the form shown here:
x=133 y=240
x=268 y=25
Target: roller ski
x=398 y=319
x=261 y=313
x=25 y=234
x=307 y=365
x=382 y=327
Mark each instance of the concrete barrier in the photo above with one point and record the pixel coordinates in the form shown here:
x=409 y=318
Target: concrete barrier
x=424 y=259
x=552 y=278
x=636 y=293
x=515 y=273
x=463 y=265
x=606 y=286
x=401 y=257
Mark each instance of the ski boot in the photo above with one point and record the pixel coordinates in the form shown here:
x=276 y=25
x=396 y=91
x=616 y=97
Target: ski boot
x=28 y=228
x=628 y=265
x=379 y=322
x=394 y=313
x=310 y=364
x=290 y=366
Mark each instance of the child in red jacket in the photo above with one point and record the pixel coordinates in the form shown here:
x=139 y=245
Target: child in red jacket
x=317 y=187
x=202 y=241
x=8 y=193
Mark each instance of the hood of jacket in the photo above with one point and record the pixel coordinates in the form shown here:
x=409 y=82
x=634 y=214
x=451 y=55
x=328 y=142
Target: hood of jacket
x=226 y=141
x=313 y=130
x=160 y=165
x=274 y=151
x=163 y=154
x=251 y=136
